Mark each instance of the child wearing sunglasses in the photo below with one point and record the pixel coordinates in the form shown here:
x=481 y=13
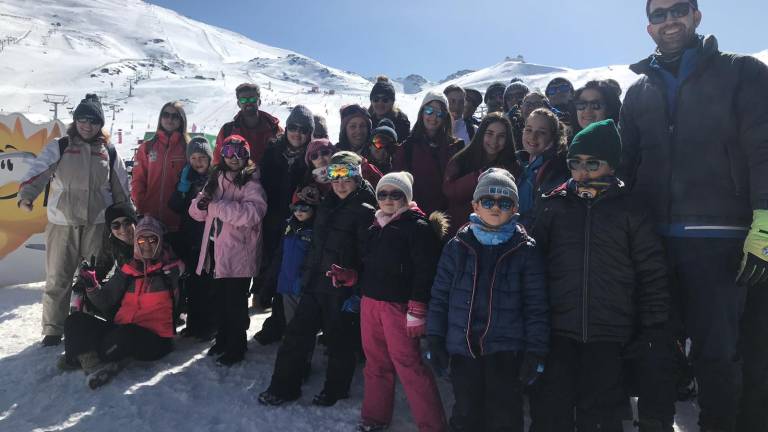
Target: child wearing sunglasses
x=489 y=315
x=399 y=266
x=607 y=285
x=201 y=318
x=232 y=204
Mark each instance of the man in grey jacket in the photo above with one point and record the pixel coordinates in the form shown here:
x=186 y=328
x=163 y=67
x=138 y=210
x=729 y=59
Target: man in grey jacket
x=695 y=148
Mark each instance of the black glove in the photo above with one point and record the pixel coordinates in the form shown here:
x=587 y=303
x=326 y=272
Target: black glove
x=531 y=368
x=438 y=355
x=644 y=341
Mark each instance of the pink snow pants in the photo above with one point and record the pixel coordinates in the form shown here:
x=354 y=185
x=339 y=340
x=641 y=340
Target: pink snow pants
x=389 y=350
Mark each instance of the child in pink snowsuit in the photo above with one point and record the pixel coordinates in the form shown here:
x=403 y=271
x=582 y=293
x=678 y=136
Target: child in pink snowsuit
x=398 y=268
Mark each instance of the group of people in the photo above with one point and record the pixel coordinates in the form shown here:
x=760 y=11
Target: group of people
x=563 y=248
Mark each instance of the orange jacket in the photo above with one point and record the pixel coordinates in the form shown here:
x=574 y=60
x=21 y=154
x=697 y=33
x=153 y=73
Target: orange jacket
x=258 y=137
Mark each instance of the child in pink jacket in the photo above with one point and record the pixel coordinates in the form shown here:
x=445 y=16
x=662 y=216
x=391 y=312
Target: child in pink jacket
x=232 y=204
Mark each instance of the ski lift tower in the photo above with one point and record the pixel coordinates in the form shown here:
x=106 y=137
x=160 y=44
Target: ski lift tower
x=55 y=100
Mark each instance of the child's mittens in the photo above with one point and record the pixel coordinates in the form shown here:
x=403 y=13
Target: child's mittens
x=342 y=277
x=184 y=185
x=416 y=319
x=531 y=368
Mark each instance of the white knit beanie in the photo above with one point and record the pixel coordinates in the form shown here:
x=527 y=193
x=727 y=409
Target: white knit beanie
x=434 y=96
x=401 y=180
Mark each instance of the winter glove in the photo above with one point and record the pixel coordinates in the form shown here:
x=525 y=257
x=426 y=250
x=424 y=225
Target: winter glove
x=25 y=205
x=202 y=203
x=86 y=275
x=645 y=341
x=341 y=277
x=351 y=305
x=416 y=319
x=754 y=265
x=438 y=355
x=531 y=368
x=184 y=185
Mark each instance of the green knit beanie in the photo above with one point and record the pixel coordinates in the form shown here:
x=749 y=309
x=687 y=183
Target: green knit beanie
x=600 y=140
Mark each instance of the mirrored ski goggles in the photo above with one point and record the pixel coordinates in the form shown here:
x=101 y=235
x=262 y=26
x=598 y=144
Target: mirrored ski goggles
x=394 y=195
x=591 y=165
x=234 y=150
x=595 y=105
x=148 y=239
x=303 y=208
x=559 y=88
x=428 y=110
x=343 y=171
x=380 y=142
x=660 y=15
x=504 y=204
x=248 y=100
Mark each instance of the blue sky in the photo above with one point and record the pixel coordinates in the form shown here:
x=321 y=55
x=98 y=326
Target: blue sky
x=435 y=38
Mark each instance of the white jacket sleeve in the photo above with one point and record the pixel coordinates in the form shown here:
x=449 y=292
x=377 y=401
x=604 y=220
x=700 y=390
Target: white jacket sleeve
x=38 y=176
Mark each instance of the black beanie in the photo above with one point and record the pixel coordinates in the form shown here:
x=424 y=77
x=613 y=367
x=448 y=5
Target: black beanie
x=387 y=128
x=90 y=107
x=383 y=87
x=495 y=87
x=118 y=210
x=600 y=140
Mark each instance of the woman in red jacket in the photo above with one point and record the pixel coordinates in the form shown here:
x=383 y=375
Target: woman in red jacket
x=157 y=165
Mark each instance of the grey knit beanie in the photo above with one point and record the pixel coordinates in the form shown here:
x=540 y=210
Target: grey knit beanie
x=199 y=144
x=496 y=181
x=301 y=116
x=401 y=180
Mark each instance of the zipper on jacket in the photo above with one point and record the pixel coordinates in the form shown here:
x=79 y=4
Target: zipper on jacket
x=471 y=298
x=585 y=287
x=490 y=294
x=162 y=178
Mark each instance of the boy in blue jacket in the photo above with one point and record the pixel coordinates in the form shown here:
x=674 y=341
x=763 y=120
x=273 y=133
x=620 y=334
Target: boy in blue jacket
x=488 y=315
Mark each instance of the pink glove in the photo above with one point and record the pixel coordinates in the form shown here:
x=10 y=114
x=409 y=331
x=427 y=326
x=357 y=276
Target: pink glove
x=416 y=319
x=341 y=277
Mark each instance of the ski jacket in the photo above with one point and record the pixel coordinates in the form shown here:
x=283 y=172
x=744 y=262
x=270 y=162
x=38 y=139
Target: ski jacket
x=234 y=221
x=83 y=183
x=293 y=251
x=156 y=168
x=258 y=137
x=516 y=311
x=607 y=269
x=400 y=258
x=339 y=237
x=702 y=169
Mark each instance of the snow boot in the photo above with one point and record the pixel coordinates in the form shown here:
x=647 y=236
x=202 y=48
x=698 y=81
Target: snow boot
x=324 y=399
x=103 y=375
x=89 y=361
x=216 y=350
x=365 y=426
x=229 y=359
x=271 y=399
x=51 y=340
x=65 y=365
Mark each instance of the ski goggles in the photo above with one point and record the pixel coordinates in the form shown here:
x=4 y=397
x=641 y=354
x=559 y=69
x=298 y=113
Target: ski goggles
x=148 y=239
x=343 y=171
x=248 y=100
x=504 y=204
x=297 y=128
x=660 y=15
x=394 y=195
x=428 y=110
x=595 y=105
x=559 y=88
x=591 y=165
x=315 y=155
x=303 y=208
x=234 y=149
x=379 y=142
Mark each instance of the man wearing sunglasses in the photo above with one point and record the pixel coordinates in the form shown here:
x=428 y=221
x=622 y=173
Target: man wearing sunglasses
x=256 y=126
x=560 y=94
x=695 y=134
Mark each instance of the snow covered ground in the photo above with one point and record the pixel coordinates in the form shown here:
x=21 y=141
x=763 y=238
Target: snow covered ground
x=185 y=391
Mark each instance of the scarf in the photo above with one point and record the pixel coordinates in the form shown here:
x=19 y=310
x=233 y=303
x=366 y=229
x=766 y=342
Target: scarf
x=492 y=236
x=590 y=189
x=383 y=219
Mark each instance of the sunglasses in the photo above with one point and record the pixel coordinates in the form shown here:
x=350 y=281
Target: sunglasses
x=303 y=208
x=384 y=99
x=320 y=153
x=562 y=88
x=89 y=120
x=296 y=128
x=342 y=171
x=248 y=100
x=234 y=149
x=116 y=225
x=504 y=204
x=170 y=115
x=582 y=105
x=380 y=142
x=514 y=96
x=679 y=10
x=394 y=195
x=151 y=240
x=591 y=165
x=428 y=110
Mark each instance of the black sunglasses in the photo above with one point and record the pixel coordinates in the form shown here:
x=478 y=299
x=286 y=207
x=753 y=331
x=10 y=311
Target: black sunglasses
x=384 y=99
x=170 y=115
x=589 y=164
x=116 y=225
x=90 y=120
x=504 y=204
x=320 y=153
x=303 y=208
x=582 y=105
x=297 y=128
x=394 y=195
x=679 y=10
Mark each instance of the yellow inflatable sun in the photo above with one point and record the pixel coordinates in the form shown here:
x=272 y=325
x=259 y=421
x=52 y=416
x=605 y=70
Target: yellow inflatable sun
x=17 y=151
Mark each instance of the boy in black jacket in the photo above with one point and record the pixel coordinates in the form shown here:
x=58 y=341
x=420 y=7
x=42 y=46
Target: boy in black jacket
x=606 y=272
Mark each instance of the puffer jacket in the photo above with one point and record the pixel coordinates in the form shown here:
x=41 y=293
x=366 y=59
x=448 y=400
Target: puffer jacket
x=291 y=255
x=156 y=168
x=258 y=137
x=234 y=218
x=517 y=317
x=83 y=184
x=339 y=237
x=606 y=265
x=144 y=296
x=706 y=164
x=400 y=258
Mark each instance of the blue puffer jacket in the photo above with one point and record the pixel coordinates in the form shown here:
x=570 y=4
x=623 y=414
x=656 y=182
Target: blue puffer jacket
x=518 y=318
x=293 y=251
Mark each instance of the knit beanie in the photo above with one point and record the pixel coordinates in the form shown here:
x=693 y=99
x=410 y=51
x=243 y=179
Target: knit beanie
x=401 y=180
x=315 y=145
x=302 y=116
x=497 y=87
x=600 y=140
x=148 y=226
x=90 y=107
x=348 y=112
x=432 y=96
x=496 y=181
x=321 y=127
x=199 y=144
x=123 y=209
x=516 y=86
x=383 y=88
x=386 y=128
x=345 y=158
